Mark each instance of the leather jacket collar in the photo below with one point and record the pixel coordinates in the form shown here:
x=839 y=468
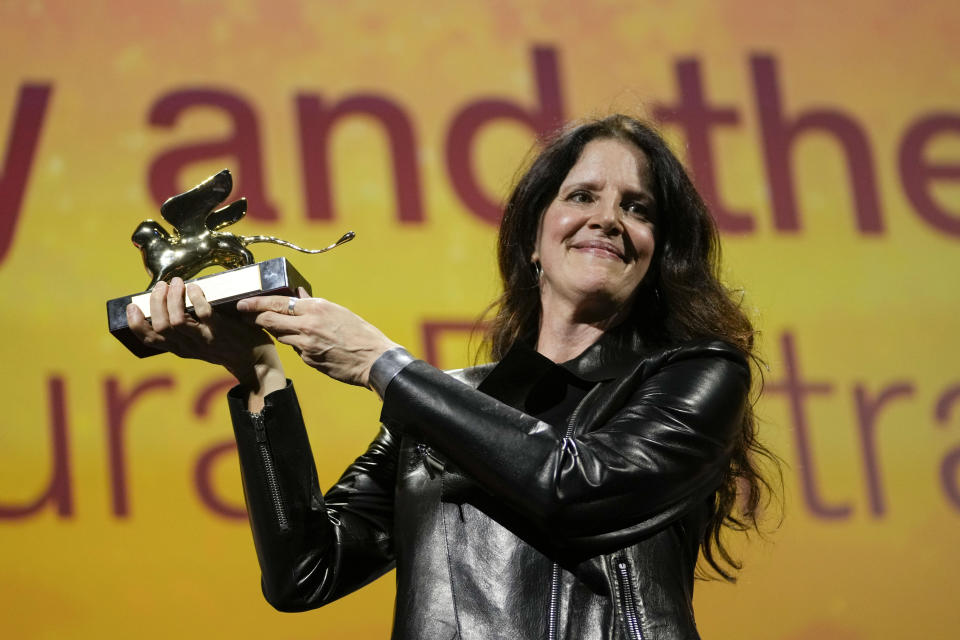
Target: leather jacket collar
x=613 y=355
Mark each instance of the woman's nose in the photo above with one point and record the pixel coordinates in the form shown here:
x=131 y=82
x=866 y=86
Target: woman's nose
x=608 y=216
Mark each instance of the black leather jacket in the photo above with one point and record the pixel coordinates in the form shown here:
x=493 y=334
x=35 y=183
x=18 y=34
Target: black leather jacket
x=501 y=526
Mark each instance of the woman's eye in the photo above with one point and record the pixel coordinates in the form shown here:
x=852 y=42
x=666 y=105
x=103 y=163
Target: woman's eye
x=580 y=196
x=635 y=207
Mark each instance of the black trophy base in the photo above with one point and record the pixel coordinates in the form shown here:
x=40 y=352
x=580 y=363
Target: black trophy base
x=270 y=277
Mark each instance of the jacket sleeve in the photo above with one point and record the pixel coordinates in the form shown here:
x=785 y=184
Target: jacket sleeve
x=664 y=448
x=312 y=548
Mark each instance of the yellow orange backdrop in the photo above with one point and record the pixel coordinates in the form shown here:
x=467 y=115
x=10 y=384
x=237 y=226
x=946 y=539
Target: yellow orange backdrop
x=827 y=135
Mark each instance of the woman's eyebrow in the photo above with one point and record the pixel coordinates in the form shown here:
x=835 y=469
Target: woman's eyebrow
x=592 y=185
x=641 y=195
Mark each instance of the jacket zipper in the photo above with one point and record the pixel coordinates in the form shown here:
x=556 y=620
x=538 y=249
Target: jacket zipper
x=554 y=601
x=567 y=444
x=425 y=457
x=627 y=602
x=269 y=470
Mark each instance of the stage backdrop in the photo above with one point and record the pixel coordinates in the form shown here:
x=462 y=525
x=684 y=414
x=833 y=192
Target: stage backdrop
x=825 y=135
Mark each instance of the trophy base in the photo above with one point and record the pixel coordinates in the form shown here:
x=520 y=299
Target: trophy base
x=270 y=277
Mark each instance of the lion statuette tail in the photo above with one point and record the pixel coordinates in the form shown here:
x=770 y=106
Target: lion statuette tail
x=347 y=237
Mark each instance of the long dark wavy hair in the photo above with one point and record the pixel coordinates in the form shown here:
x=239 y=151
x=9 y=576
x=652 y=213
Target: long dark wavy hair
x=680 y=298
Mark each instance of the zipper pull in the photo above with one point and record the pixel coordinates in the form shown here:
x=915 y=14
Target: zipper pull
x=424 y=452
x=569 y=444
x=259 y=426
x=332 y=517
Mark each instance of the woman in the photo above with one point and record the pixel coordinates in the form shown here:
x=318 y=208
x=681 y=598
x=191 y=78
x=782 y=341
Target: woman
x=564 y=492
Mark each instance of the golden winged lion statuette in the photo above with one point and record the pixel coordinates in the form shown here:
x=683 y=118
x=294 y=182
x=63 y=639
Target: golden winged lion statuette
x=197 y=242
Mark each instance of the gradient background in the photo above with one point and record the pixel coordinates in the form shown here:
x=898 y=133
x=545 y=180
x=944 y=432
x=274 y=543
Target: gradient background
x=139 y=534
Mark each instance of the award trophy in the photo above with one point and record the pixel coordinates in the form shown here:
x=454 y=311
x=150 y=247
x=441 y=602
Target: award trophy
x=198 y=243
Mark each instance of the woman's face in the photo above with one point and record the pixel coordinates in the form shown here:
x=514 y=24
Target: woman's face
x=595 y=239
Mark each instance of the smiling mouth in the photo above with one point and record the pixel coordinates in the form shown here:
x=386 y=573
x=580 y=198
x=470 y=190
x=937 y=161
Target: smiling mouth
x=603 y=249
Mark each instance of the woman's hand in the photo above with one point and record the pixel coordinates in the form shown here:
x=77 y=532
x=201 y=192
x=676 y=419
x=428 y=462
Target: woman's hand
x=328 y=337
x=245 y=350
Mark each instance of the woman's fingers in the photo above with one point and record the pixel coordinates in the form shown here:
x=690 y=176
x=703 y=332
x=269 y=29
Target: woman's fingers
x=327 y=336
x=307 y=351
x=188 y=330
x=141 y=328
x=170 y=326
x=202 y=334
x=259 y=304
x=279 y=323
x=201 y=306
x=277 y=329
x=176 y=309
x=273 y=313
x=158 y=307
x=294 y=340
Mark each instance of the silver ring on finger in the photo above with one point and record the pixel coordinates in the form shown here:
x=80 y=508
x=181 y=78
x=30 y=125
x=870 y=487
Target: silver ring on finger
x=291 y=303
